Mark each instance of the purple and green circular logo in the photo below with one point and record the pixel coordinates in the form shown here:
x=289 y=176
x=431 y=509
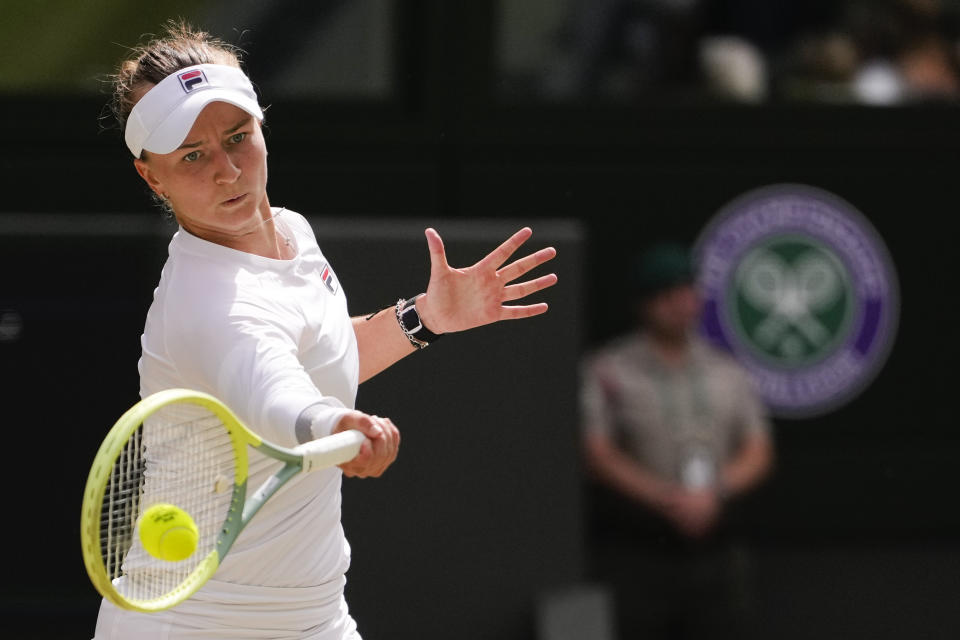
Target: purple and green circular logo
x=800 y=288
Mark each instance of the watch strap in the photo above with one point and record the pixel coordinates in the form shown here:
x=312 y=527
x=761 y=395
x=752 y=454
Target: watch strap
x=411 y=324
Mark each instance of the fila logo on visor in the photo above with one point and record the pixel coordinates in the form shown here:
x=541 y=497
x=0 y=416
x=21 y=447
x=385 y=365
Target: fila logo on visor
x=190 y=80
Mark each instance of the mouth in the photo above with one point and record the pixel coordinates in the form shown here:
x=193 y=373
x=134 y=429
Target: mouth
x=234 y=200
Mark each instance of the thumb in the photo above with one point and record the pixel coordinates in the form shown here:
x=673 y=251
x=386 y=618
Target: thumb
x=438 y=255
x=365 y=424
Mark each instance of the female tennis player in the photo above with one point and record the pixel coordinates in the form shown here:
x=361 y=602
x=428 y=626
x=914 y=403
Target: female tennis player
x=249 y=310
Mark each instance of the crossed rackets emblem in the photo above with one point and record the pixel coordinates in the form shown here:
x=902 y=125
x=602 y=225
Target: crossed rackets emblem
x=791 y=294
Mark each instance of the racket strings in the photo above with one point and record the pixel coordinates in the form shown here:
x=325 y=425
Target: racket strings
x=183 y=455
x=122 y=503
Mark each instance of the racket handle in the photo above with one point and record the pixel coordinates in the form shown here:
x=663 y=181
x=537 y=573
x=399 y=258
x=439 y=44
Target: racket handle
x=330 y=450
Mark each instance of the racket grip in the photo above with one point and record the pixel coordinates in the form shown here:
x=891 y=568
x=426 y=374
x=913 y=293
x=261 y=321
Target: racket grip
x=330 y=450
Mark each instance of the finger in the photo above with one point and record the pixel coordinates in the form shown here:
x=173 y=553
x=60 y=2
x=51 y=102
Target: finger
x=524 y=311
x=524 y=289
x=385 y=448
x=360 y=421
x=369 y=428
x=354 y=468
x=502 y=253
x=438 y=255
x=394 y=443
x=367 y=425
x=393 y=439
x=374 y=466
x=391 y=433
x=516 y=269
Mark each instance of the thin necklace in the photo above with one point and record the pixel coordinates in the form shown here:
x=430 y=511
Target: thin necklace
x=276 y=226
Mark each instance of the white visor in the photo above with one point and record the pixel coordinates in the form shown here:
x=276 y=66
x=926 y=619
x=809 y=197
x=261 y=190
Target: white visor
x=163 y=117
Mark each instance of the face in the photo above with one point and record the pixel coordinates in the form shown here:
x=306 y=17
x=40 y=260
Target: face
x=216 y=181
x=673 y=313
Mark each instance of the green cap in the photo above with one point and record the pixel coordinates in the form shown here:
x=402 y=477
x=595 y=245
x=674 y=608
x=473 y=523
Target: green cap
x=661 y=267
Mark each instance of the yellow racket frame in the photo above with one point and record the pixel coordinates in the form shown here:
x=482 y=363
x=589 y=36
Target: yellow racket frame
x=99 y=475
x=310 y=456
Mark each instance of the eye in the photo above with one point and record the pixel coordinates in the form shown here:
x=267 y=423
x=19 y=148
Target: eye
x=237 y=138
x=193 y=156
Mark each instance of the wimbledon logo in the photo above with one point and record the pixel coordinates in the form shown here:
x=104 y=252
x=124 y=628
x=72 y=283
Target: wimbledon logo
x=800 y=288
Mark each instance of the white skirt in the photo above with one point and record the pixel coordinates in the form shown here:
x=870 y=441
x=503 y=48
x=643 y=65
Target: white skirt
x=237 y=612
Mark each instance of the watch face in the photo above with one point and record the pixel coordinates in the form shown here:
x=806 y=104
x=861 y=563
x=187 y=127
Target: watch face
x=411 y=319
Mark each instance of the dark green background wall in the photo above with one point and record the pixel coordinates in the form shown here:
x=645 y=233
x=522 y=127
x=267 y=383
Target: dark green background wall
x=857 y=531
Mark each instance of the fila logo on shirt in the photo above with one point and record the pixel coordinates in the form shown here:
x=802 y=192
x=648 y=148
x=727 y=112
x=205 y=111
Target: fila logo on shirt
x=326 y=274
x=190 y=80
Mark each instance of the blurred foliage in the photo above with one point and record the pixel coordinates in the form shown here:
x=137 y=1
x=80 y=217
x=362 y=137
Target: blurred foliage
x=65 y=46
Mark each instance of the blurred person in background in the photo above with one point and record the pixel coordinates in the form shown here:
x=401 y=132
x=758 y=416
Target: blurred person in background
x=677 y=49
x=673 y=433
x=624 y=49
x=747 y=42
x=908 y=50
x=876 y=52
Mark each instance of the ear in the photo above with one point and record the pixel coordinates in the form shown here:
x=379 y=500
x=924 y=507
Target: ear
x=148 y=175
x=260 y=127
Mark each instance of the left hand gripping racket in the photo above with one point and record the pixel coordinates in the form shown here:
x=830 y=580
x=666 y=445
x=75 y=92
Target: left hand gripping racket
x=186 y=448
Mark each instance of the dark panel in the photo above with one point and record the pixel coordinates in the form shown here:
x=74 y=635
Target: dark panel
x=482 y=510
x=74 y=294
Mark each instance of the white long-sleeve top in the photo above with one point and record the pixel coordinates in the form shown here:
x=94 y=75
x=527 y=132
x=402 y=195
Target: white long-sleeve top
x=270 y=338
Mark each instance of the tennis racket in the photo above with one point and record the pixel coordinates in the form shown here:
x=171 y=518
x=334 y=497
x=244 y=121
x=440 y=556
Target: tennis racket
x=186 y=448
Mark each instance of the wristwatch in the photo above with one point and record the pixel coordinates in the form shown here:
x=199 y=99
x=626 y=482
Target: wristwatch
x=411 y=324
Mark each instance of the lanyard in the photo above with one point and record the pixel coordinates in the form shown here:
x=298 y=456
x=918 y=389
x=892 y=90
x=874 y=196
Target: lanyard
x=690 y=429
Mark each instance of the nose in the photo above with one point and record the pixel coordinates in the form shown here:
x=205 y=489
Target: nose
x=226 y=170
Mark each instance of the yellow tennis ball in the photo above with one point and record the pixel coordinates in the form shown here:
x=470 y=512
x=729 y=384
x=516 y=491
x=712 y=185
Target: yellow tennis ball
x=168 y=532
